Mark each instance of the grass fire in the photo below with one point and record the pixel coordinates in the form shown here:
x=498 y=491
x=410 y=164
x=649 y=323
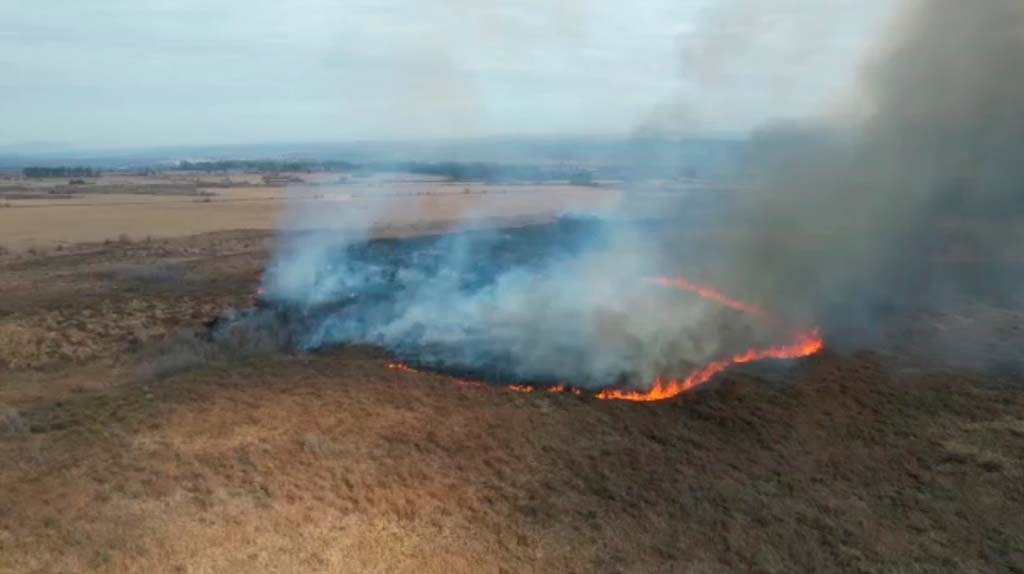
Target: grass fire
x=519 y=308
x=805 y=344
x=386 y=286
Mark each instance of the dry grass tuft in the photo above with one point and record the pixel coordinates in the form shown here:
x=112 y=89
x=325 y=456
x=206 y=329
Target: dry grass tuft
x=155 y=273
x=11 y=421
x=317 y=444
x=235 y=341
x=260 y=333
x=177 y=354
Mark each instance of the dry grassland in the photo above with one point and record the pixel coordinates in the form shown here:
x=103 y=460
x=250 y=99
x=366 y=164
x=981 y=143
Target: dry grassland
x=226 y=462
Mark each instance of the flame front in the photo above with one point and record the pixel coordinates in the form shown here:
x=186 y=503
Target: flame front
x=805 y=345
x=710 y=294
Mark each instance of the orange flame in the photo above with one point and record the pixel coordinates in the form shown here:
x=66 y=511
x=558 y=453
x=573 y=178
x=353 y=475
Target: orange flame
x=805 y=345
x=565 y=389
x=710 y=294
x=407 y=369
x=261 y=289
x=401 y=367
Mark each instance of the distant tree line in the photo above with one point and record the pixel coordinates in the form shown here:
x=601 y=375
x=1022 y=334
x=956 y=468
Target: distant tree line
x=476 y=171
x=493 y=172
x=263 y=166
x=61 y=171
x=452 y=170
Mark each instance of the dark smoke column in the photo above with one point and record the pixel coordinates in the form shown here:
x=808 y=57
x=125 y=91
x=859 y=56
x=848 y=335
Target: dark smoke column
x=852 y=219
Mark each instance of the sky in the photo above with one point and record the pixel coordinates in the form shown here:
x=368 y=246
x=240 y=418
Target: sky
x=150 y=73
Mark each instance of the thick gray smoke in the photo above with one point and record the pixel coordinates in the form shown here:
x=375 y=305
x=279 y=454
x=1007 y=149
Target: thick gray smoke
x=917 y=202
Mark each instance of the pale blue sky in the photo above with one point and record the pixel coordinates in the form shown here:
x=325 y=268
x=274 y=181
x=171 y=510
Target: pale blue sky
x=112 y=73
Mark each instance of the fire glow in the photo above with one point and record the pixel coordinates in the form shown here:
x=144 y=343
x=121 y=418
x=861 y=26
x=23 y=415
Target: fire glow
x=710 y=294
x=401 y=367
x=805 y=344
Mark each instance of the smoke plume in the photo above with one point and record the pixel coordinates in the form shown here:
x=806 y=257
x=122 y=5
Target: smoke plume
x=567 y=302
x=916 y=202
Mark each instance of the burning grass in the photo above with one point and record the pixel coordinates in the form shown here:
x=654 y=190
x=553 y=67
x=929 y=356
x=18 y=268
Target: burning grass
x=332 y=461
x=552 y=306
x=805 y=344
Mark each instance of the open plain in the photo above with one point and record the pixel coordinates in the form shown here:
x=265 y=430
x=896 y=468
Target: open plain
x=128 y=444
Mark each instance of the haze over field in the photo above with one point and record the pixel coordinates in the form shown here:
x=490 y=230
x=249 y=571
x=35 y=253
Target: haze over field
x=117 y=73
